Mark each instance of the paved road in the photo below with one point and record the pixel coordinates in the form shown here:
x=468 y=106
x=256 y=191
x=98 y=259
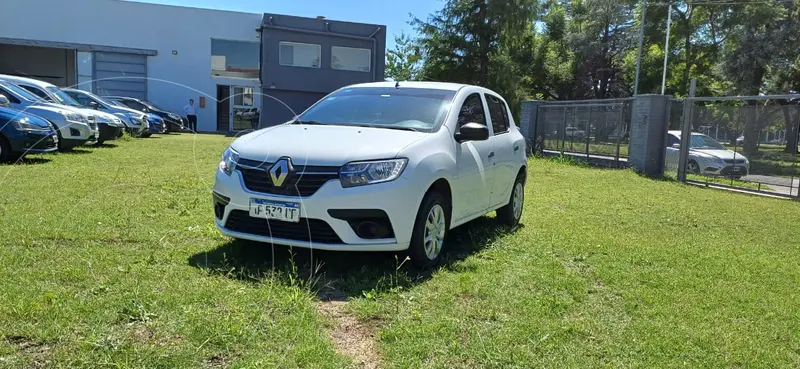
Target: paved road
x=781 y=185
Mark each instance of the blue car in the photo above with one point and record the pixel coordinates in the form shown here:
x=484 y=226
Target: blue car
x=155 y=123
x=22 y=133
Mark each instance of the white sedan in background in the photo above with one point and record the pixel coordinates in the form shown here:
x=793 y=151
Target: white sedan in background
x=706 y=156
x=376 y=167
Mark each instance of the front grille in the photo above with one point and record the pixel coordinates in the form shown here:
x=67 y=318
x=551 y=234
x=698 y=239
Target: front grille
x=734 y=161
x=304 y=182
x=308 y=230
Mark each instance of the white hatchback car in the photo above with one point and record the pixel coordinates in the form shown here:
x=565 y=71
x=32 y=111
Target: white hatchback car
x=379 y=166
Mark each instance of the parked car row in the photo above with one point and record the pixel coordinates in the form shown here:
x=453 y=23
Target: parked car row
x=39 y=117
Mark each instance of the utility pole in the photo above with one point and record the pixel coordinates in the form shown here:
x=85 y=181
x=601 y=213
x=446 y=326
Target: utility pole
x=666 y=47
x=639 y=53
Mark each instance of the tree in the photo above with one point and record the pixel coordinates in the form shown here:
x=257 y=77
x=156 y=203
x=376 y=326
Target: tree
x=474 y=42
x=403 y=62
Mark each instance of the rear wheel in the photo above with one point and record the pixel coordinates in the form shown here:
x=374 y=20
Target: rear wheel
x=430 y=227
x=511 y=213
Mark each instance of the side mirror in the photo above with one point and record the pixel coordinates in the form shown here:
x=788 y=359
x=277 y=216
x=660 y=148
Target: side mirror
x=4 y=101
x=472 y=132
x=94 y=105
x=676 y=146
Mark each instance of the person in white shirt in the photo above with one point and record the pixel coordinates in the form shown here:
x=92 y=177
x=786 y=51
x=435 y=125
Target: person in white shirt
x=191 y=115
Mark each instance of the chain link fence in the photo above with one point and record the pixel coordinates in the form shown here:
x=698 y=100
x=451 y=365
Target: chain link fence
x=597 y=130
x=742 y=143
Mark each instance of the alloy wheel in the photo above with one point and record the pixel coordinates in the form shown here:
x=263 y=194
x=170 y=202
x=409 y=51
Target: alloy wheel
x=519 y=198
x=434 y=232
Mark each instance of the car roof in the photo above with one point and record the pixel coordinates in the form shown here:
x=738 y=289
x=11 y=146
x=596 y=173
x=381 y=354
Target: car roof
x=413 y=84
x=30 y=81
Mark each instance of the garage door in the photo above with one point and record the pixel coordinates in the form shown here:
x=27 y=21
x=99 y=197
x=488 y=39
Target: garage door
x=119 y=74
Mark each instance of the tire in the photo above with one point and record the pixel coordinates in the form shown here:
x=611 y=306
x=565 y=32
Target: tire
x=510 y=214
x=435 y=210
x=5 y=150
x=100 y=142
x=145 y=134
x=692 y=167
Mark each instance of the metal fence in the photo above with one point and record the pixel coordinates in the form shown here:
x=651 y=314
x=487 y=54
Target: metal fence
x=593 y=129
x=743 y=143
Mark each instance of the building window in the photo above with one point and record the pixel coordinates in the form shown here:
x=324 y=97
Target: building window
x=238 y=59
x=350 y=58
x=243 y=96
x=300 y=55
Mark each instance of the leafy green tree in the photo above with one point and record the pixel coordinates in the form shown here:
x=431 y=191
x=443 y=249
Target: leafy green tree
x=403 y=63
x=474 y=41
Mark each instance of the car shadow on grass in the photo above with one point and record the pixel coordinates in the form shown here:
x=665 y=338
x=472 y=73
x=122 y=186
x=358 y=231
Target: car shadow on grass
x=26 y=161
x=104 y=146
x=336 y=275
x=75 y=152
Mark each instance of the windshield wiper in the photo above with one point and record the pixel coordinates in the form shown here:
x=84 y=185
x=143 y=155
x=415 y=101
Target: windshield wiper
x=399 y=128
x=309 y=122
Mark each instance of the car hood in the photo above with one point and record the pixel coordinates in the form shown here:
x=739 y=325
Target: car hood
x=722 y=154
x=109 y=116
x=323 y=145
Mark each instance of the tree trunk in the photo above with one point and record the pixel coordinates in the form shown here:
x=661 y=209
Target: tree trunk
x=791 y=128
x=752 y=124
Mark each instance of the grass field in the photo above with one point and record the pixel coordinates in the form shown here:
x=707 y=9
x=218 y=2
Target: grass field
x=109 y=258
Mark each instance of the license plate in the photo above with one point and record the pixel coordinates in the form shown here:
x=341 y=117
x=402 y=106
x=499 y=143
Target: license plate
x=277 y=210
x=737 y=169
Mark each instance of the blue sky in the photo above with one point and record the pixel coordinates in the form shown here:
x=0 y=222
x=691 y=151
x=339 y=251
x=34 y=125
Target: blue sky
x=394 y=14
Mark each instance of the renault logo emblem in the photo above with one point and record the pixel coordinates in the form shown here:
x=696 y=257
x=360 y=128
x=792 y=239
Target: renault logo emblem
x=280 y=171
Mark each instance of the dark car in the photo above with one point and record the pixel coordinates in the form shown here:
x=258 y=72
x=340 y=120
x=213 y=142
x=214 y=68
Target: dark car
x=22 y=133
x=174 y=122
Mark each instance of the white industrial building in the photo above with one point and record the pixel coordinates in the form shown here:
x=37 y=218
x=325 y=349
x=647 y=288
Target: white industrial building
x=164 y=54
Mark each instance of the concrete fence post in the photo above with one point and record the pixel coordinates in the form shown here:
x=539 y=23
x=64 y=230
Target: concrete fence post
x=648 y=134
x=527 y=124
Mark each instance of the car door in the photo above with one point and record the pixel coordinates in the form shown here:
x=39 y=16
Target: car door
x=503 y=143
x=473 y=186
x=673 y=153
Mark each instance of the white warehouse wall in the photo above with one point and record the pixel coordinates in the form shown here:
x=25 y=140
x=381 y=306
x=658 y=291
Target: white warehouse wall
x=162 y=28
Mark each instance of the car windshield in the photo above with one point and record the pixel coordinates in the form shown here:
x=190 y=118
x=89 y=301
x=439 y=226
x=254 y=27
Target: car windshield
x=705 y=142
x=61 y=97
x=85 y=98
x=20 y=92
x=149 y=105
x=410 y=108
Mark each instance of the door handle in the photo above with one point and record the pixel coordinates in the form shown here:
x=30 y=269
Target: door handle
x=491 y=154
x=516 y=148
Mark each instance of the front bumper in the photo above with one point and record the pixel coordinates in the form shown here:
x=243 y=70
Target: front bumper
x=109 y=132
x=398 y=199
x=35 y=142
x=729 y=170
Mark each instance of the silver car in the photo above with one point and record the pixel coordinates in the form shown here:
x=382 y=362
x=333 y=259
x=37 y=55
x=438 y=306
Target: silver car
x=706 y=156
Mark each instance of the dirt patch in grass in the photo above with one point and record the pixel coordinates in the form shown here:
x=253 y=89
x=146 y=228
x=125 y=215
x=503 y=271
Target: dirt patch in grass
x=38 y=352
x=351 y=337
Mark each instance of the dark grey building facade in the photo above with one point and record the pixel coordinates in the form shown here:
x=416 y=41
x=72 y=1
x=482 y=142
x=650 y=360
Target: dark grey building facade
x=303 y=59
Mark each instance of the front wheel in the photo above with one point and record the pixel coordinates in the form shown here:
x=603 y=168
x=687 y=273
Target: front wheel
x=511 y=213
x=430 y=227
x=5 y=150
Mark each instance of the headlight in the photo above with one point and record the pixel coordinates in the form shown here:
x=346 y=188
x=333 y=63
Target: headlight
x=75 y=117
x=102 y=119
x=369 y=172
x=229 y=159
x=24 y=124
x=174 y=116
